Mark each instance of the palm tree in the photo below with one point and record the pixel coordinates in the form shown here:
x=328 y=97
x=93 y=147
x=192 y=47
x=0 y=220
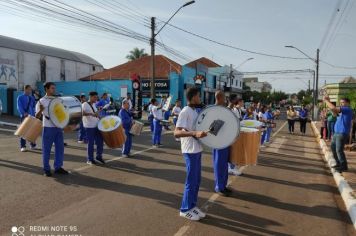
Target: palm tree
x=136 y=53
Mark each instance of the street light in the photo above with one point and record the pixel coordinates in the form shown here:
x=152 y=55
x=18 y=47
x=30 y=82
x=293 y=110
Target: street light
x=316 y=61
x=153 y=42
x=249 y=59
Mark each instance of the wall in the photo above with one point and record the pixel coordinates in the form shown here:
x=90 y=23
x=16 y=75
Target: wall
x=18 y=68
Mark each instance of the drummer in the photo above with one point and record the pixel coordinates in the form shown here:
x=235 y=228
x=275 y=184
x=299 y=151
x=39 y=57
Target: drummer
x=157 y=126
x=26 y=107
x=126 y=118
x=191 y=150
x=235 y=105
x=50 y=134
x=82 y=136
x=175 y=112
x=221 y=158
x=102 y=104
x=150 y=115
x=90 y=123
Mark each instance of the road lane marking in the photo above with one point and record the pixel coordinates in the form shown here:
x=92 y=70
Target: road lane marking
x=113 y=159
x=7 y=130
x=284 y=124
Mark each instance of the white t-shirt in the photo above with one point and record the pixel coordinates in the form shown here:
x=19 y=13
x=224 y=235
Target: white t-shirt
x=157 y=113
x=176 y=110
x=45 y=103
x=150 y=109
x=89 y=121
x=186 y=120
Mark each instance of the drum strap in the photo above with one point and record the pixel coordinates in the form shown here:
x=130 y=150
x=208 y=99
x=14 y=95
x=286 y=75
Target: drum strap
x=92 y=108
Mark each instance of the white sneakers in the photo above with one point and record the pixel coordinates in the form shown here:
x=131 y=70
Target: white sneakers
x=194 y=214
x=234 y=171
x=23 y=149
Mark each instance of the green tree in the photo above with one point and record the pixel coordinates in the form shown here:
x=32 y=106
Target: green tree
x=136 y=53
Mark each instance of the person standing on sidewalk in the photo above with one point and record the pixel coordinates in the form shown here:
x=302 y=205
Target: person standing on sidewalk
x=127 y=122
x=342 y=130
x=303 y=118
x=331 y=119
x=26 y=107
x=291 y=115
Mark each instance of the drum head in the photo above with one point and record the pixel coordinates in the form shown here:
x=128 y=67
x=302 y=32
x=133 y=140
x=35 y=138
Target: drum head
x=251 y=123
x=58 y=113
x=109 y=123
x=223 y=123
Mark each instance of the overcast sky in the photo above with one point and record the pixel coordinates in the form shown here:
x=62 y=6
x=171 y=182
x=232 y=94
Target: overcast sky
x=257 y=25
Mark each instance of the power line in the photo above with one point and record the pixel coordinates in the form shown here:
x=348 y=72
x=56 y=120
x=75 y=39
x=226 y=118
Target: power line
x=233 y=47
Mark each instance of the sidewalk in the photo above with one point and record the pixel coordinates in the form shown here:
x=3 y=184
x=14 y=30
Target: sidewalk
x=350 y=175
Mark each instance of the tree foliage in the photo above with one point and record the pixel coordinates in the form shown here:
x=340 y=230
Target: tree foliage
x=136 y=53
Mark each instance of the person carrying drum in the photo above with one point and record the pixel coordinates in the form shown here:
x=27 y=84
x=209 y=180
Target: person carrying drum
x=126 y=118
x=175 y=113
x=90 y=123
x=221 y=158
x=191 y=150
x=103 y=104
x=236 y=106
x=157 y=126
x=50 y=134
x=26 y=107
x=82 y=136
x=150 y=115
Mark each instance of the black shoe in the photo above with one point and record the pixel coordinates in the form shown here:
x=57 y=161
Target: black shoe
x=47 y=173
x=61 y=171
x=65 y=144
x=224 y=193
x=101 y=160
x=228 y=190
x=341 y=169
x=91 y=162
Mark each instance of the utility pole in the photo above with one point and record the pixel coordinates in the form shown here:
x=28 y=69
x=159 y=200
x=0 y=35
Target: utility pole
x=316 y=86
x=153 y=69
x=308 y=86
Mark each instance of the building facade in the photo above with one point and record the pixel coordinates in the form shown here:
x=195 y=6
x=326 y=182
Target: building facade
x=23 y=63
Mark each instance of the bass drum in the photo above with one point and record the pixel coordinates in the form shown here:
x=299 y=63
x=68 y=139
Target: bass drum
x=65 y=112
x=112 y=131
x=222 y=125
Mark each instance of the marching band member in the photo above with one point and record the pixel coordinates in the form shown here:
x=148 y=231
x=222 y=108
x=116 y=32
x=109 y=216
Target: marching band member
x=126 y=118
x=236 y=106
x=150 y=116
x=82 y=136
x=157 y=126
x=268 y=116
x=102 y=104
x=26 y=107
x=90 y=123
x=175 y=112
x=50 y=134
x=191 y=150
x=221 y=158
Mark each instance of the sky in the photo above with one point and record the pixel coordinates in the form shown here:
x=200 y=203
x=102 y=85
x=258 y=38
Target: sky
x=257 y=25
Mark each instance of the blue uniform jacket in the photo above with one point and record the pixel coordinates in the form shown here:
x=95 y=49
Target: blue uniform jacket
x=26 y=104
x=126 y=119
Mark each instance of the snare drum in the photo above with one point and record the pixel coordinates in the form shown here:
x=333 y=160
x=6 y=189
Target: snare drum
x=112 y=131
x=246 y=148
x=136 y=128
x=65 y=111
x=29 y=129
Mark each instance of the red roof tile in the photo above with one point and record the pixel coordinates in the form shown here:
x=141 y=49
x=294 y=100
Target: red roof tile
x=141 y=67
x=203 y=60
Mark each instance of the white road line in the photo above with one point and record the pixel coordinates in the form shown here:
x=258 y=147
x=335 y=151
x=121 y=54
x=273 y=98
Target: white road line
x=111 y=160
x=215 y=196
x=284 y=124
x=8 y=130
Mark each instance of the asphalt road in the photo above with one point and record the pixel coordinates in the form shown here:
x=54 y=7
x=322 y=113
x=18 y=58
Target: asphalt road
x=289 y=192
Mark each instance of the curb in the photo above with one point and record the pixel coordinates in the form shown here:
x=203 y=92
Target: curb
x=344 y=188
